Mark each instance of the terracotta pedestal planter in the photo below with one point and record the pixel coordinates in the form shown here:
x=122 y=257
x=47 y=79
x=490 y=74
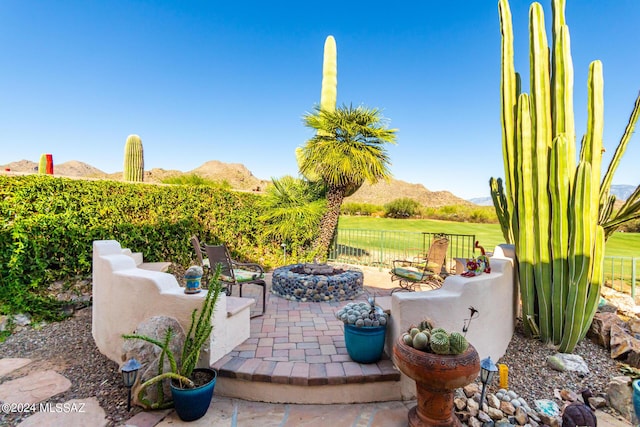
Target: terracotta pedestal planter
x=437 y=377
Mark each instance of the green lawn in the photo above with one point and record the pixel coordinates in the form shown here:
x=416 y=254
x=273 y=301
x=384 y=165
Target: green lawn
x=489 y=235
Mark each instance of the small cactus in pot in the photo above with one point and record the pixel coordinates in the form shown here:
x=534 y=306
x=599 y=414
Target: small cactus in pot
x=362 y=314
x=429 y=339
x=365 y=327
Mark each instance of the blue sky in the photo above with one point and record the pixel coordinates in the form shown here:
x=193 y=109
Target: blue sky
x=230 y=81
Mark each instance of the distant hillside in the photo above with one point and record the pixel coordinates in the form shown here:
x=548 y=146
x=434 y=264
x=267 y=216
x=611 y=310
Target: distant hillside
x=240 y=178
x=622 y=192
x=385 y=192
x=70 y=168
x=237 y=175
x=482 y=201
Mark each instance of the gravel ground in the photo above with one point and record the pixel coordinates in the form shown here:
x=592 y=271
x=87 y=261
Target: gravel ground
x=68 y=348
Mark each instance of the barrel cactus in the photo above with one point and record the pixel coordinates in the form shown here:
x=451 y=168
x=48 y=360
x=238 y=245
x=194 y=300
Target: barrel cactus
x=458 y=344
x=133 y=159
x=362 y=314
x=426 y=338
x=440 y=342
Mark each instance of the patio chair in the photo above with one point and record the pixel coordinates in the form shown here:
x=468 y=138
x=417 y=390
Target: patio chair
x=430 y=271
x=236 y=273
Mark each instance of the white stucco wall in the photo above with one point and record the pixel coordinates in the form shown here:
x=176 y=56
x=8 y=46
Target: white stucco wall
x=493 y=295
x=124 y=296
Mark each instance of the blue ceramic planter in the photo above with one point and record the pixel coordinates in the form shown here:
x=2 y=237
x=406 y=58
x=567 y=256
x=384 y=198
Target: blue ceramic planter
x=364 y=344
x=192 y=403
x=636 y=398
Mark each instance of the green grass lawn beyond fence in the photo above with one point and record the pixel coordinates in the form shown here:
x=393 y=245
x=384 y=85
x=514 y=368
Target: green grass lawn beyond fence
x=489 y=235
x=390 y=239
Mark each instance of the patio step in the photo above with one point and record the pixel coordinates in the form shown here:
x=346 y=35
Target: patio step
x=307 y=383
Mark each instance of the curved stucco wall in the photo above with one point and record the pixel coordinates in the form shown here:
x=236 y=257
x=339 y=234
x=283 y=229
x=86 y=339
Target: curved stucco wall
x=494 y=295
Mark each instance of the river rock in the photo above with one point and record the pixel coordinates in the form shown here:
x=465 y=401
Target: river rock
x=460 y=403
x=521 y=416
x=471 y=389
x=495 y=414
x=507 y=408
x=473 y=407
x=493 y=401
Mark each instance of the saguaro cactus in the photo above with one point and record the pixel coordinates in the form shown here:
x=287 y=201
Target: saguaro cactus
x=329 y=91
x=46 y=164
x=557 y=214
x=133 y=159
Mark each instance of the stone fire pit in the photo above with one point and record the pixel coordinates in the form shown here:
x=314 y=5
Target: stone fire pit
x=316 y=282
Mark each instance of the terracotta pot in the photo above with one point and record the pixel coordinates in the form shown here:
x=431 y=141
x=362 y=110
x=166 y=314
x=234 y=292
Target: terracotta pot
x=436 y=376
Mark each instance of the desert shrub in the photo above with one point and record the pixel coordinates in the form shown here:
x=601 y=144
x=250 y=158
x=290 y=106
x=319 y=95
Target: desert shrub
x=195 y=179
x=402 y=208
x=364 y=209
x=49 y=223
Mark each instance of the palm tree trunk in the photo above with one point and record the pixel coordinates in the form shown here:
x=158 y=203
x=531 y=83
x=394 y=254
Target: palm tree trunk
x=329 y=221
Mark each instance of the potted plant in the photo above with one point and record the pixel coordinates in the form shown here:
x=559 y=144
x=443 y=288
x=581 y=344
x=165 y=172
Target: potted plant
x=365 y=326
x=191 y=387
x=439 y=362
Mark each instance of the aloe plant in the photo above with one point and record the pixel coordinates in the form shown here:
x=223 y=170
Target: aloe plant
x=557 y=212
x=133 y=159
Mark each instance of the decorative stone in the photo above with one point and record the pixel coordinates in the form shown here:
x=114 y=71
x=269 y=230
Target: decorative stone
x=597 y=402
x=622 y=342
x=512 y=394
x=493 y=401
x=619 y=393
x=474 y=422
x=546 y=407
x=471 y=389
x=503 y=423
x=473 y=407
x=22 y=319
x=600 y=330
x=148 y=354
x=507 y=408
x=495 y=414
x=568 y=362
x=568 y=395
x=484 y=417
x=459 y=403
x=521 y=416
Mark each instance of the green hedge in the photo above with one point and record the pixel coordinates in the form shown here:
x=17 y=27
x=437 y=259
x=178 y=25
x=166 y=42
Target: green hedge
x=49 y=224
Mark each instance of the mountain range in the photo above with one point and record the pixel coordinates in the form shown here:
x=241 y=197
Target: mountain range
x=622 y=193
x=240 y=178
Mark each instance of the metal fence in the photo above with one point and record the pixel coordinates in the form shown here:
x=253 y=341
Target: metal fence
x=620 y=274
x=381 y=247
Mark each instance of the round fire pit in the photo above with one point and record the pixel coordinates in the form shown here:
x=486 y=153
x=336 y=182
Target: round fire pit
x=316 y=282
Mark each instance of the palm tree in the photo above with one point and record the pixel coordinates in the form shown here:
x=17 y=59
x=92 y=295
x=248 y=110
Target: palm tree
x=293 y=201
x=347 y=150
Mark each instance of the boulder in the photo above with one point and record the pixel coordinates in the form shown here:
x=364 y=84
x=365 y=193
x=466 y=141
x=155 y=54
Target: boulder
x=149 y=354
x=619 y=394
x=622 y=342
